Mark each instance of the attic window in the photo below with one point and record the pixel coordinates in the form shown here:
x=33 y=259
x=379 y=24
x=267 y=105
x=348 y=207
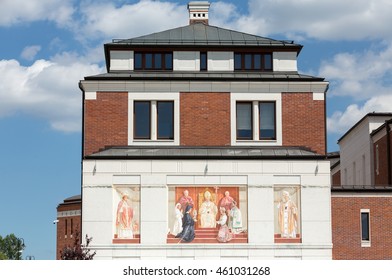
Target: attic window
x=153 y=61
x=253 y=61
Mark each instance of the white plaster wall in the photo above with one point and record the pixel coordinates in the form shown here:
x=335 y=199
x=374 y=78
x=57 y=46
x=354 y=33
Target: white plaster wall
x=121 y=60
x=220 y=61
x=353 y=147
x=186 y=61
x=257 y=177
x=284 y=61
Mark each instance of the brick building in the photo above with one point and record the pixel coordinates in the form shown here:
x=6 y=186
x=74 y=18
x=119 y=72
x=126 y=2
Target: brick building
x=68 y=222
x=194 y=118
x=362 y=192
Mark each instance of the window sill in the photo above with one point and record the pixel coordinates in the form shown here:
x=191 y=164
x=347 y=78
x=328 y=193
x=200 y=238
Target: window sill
x=365 y=244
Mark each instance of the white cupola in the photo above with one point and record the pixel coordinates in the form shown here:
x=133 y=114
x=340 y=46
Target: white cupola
x=198 y=12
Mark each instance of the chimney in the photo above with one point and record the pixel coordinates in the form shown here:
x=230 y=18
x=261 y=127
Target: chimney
x=198 y=12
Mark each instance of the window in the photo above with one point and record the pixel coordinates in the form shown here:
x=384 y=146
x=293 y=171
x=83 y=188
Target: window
x=153 y=61
x=266 y=113
x=165 y=119
x=365 y=227
x=253 y=61
x=267 y=120
x=377 y=161
x=143 y=122
x=244 y=120
x=66 y=228
x=203 y=61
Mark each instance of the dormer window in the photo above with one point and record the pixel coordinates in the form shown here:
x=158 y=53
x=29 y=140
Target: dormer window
x=253 y=61
x=153 y=61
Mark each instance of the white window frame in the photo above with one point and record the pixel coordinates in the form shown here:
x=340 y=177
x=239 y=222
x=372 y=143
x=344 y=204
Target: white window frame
x=365 y=243
x=154 y=98
x=255 y=98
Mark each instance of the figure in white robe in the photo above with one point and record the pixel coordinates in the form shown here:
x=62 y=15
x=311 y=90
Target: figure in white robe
x=287 y=216
x=236 y=219
x=208 y=211
x=177 y=226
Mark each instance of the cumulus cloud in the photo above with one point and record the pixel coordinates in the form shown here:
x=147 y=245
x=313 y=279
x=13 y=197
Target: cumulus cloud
x=365 y=77
x=19 y=11
x=30 y=52
x=340 y=122
x=105 y=20
x=321 y=19
x=47 y=89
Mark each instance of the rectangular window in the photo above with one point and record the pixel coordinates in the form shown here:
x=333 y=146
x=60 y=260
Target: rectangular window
x=203 y=61
x=365 y=225
x=138 y=61
x=267 y=120
x=244 y=120
x=253 y=61
x=142 y=120
x=153 y=61
x=165 y=119
x=71 y=227
x=66 y=227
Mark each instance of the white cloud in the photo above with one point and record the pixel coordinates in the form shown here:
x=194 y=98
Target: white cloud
x=340 y=122
x=19 y=11
x=46 y=89
x=365 y=78
x=321 y=19
x=105 y=20
x=30 y=52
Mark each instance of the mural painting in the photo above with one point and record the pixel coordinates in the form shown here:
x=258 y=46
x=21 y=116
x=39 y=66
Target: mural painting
x=126 y=217
x=207 y=214
x=287 y=214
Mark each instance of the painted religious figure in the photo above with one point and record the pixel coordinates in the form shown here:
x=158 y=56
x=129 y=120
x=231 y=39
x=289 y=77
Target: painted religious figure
x=188 y=231
x=224 y=234
x=235 y=219
x=124 y=218
x=287 y=216
x=185 y=200
x=177 y=226
x=208 y=211
x=226 y=201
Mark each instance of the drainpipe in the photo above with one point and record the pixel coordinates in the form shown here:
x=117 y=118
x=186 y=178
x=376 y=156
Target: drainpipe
x=388 y=129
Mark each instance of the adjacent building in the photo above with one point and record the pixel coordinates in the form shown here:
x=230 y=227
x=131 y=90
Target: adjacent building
x=362 y=191
x=68 y=222
x=212 y=124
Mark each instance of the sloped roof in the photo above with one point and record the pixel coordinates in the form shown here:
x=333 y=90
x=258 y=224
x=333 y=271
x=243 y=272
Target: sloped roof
x=200 y=34
x=141 y=152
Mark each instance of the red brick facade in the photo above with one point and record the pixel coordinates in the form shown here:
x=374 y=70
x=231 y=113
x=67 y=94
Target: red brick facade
x=381 y=167
x=67 y=226
x=205 y=119
x=346 y=227
x=336 y=179
x=303 y=121
x=105 y=121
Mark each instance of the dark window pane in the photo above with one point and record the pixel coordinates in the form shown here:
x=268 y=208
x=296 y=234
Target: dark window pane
x=248 y=61
x=257 y=61
x=244 y=121
x=267 y=120
x=138 y=61
x=168 y=61
x=267 y=62
x=165 y=120
x=157 y=61
x=141 y=120
x=365 y=226
x=203 y=61
x=237 y=61
x=148 y=63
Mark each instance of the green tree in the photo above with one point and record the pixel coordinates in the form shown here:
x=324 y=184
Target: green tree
x=11 y=247
x=77 y=251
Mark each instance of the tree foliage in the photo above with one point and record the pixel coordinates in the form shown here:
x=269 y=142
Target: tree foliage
x=78 y=251
x=11 y=247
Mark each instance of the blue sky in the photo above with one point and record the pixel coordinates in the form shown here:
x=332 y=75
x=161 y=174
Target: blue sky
x=49 y=45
